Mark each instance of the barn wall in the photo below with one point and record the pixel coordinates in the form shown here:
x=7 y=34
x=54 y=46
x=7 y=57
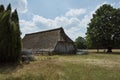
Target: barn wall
x=65 y=47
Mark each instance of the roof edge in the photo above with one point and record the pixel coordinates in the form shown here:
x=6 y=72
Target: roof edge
x=60 y=28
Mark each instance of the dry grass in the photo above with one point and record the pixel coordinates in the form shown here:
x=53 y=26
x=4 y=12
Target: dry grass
x=101 y=60
x=71 y=67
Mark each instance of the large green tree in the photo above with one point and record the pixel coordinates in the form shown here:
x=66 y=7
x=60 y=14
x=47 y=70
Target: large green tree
x=10 y=41
x=80 y=43
x=104 y=28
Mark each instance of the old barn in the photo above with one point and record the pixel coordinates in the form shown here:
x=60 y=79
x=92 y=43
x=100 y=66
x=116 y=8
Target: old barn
x=50 y=41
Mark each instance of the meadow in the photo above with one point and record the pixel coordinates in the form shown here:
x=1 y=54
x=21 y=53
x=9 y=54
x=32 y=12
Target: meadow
x=93 y=66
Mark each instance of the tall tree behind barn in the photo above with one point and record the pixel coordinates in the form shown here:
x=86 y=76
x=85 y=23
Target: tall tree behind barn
x=53 y=41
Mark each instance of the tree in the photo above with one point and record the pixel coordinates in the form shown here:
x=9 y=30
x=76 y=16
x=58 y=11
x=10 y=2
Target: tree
x=104 y=28
x=1 y=8
x=80 y=43
x=10 y=41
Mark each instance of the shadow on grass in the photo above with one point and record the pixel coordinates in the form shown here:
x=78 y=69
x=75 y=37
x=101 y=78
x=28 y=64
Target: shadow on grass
x=8 y=68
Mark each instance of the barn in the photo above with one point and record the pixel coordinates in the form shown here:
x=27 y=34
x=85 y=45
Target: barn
x=50 y=41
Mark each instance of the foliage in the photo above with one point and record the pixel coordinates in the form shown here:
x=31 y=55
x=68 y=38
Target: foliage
x=10 y=41
x=80 y=43
x=104 y=28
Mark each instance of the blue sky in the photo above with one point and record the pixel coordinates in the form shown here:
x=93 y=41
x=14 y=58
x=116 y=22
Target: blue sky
x=72 y=15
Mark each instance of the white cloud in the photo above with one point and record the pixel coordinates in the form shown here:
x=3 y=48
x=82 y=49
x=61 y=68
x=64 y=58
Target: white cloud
x=75 y=12
x=72 y=24
x=42 y=20
x=56 y=22
x=20 y=5
x=86 y=20
x=27 y=27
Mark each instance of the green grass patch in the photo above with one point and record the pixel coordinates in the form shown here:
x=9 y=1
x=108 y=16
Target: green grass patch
x=63 y=67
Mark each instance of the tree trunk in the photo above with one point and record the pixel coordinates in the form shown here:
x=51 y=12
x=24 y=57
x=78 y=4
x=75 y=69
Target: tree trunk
x=109 y=49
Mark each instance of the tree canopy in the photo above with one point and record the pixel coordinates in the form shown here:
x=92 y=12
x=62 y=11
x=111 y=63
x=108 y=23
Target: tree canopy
x=104 y=28
x=80 y=43
x=10 y=41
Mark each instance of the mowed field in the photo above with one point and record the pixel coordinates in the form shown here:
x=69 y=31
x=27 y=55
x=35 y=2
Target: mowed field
x=93 y=66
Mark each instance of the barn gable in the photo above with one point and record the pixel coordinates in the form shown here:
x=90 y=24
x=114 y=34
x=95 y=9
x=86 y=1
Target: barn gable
x=45 y=40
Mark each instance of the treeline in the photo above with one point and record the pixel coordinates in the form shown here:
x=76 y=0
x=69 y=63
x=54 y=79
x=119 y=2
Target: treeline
x=10 y=41
x=82 y=43
x=104 y=29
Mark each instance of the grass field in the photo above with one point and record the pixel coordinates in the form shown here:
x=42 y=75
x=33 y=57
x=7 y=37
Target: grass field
x=72 y=67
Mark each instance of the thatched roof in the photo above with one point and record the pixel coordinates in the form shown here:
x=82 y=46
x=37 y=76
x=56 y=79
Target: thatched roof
x=45 y=39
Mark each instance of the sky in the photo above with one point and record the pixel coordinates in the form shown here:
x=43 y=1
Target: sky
x=73 y=15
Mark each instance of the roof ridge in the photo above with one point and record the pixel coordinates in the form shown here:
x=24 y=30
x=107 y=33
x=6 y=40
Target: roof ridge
x=60 y=28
